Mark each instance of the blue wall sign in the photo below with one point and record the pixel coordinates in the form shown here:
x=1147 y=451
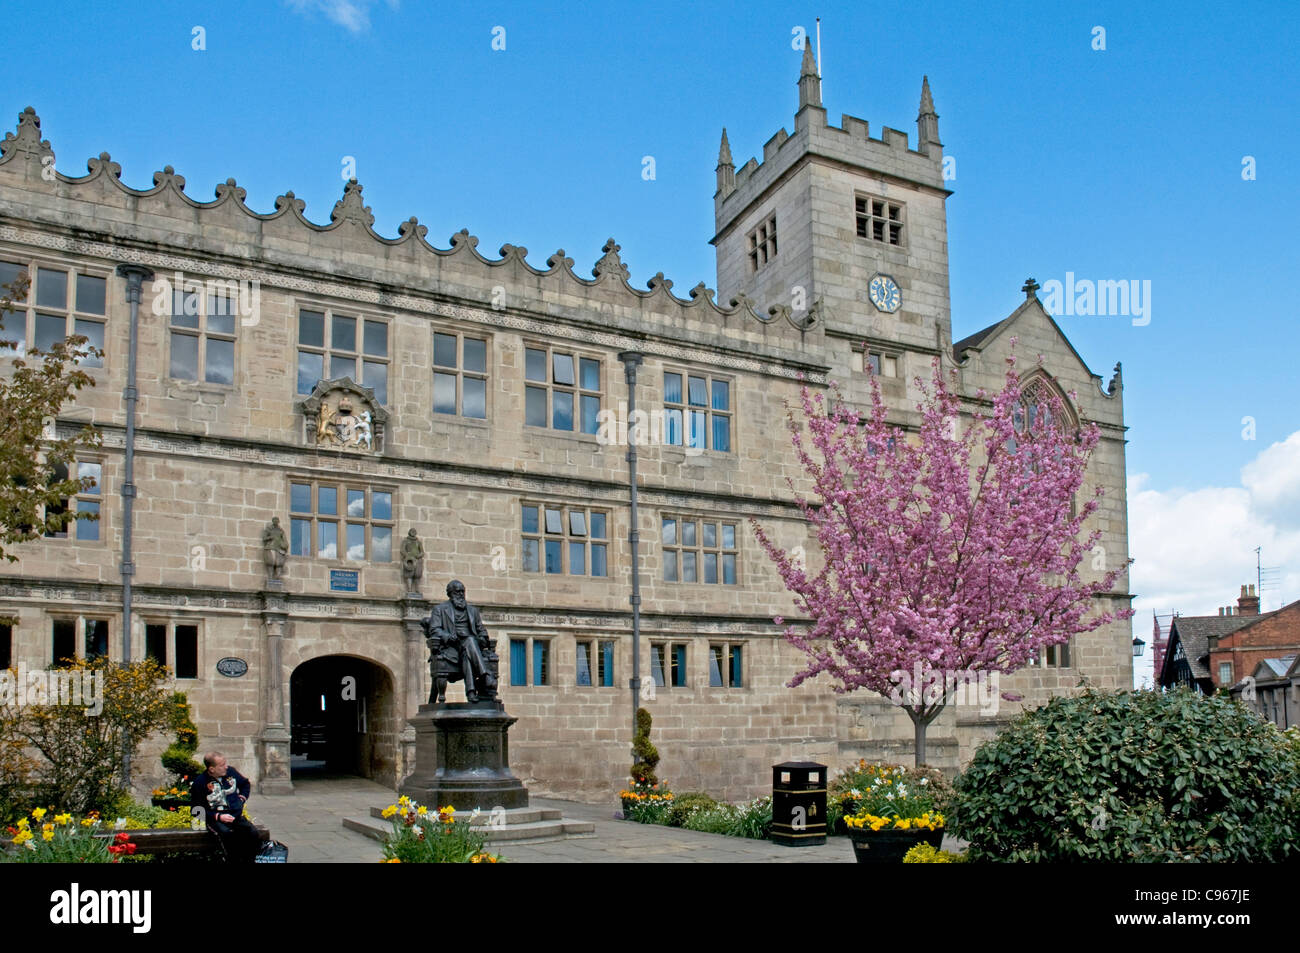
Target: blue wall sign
x=343 y=580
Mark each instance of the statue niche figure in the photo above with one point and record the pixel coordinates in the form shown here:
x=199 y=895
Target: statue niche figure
x=459 y=648
x=412 y=554
x=275 y=548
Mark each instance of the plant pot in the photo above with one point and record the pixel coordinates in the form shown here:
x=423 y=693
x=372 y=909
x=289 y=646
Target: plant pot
x=889 y=846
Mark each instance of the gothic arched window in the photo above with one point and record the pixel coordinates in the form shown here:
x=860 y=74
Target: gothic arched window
x=1036 y=398
x=1039 y=398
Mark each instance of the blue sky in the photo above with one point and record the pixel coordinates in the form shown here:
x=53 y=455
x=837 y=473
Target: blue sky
x=1122 y=163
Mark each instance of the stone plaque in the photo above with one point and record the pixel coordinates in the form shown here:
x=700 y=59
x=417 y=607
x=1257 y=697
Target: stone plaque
x=232 y=667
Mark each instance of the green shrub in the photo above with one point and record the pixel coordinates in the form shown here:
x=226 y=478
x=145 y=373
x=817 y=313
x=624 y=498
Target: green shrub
x=925 y=854
x=684 y=805
x=718 y=819
x=80 y=763
x=645 y=755
x=754 y=820
x=1133 y=776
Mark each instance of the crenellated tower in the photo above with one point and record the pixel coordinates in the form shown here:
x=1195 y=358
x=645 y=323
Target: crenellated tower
x=854 y=225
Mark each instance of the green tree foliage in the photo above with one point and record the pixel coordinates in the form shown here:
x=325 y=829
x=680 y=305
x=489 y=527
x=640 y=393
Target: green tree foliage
x=80 y=763
x=33 y=388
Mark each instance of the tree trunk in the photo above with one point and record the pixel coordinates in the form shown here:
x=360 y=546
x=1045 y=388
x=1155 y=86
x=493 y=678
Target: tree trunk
x=920 y=722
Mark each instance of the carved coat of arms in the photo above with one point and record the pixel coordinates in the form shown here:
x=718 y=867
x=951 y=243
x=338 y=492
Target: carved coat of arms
x=343 y=426
x=342 y=415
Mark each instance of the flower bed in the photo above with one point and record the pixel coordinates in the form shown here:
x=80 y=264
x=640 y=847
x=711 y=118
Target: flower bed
x=880 y=796
x=63 y=839
x=655 y=804
x=421 y=836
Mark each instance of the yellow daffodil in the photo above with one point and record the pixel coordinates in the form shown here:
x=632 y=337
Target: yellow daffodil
x=39 y=813
x=422 y=810
x=22 y=837
x=22 y=824
x=388 y=811
x=47 y=835
x=63 y=818
x=403 y=800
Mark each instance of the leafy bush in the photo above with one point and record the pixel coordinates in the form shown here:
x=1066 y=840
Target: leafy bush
x=147 y=817
x=645 y=755
x=752 y=820
x=81 y=754
x=16 y=768
x=926 y=854
x=1133 y=776
x=684 y=805
x=178 y=758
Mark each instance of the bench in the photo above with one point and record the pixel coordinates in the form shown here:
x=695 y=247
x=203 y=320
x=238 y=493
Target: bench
x=175 y=841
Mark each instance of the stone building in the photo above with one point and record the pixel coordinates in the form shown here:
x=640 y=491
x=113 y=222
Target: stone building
x=358 y=387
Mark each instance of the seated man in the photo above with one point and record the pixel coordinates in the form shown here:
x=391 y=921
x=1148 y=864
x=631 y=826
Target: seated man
x=460 y=647
x=220 y=793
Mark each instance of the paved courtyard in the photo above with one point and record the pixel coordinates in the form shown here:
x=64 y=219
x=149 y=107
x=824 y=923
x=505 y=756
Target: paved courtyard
x=310 y=823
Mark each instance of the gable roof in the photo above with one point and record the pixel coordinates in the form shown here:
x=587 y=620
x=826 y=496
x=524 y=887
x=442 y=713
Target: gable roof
x=981 y=339
x=1195 y=631
x=1276 y=667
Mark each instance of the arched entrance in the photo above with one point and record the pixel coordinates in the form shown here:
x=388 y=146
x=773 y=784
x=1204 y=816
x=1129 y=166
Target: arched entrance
x=342 y=719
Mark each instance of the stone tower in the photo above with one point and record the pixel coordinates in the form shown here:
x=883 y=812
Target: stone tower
x=826 y=211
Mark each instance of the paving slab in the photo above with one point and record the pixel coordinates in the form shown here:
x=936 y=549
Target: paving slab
x=310 y=823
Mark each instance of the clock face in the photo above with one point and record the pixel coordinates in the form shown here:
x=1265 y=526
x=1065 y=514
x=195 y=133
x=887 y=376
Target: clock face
x=885 y=294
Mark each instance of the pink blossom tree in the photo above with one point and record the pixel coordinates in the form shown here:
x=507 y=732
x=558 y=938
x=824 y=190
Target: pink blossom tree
x=947 y=555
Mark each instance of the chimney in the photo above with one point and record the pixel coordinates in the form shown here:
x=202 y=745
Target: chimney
x=1220 y=610
x=1248 y=602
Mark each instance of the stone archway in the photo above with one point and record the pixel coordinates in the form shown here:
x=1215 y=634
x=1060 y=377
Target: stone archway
x=343 y=719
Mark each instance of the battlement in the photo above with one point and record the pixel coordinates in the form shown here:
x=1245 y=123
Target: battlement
x=406 y=267
x=850 y=143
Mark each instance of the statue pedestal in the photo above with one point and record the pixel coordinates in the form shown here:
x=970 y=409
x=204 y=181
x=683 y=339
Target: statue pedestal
x=462 y=758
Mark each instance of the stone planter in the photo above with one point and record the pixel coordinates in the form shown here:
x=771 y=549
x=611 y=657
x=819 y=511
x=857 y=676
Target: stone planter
x=889 y=847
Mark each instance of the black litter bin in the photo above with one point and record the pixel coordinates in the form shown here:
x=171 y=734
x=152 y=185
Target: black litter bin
x=799 y=803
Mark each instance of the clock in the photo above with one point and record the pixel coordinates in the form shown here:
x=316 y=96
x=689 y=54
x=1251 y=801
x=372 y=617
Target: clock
x=885 y=294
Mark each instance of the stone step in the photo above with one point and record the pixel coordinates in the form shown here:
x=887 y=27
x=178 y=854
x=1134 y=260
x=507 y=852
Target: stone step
x=512 y=817
x=554 y=828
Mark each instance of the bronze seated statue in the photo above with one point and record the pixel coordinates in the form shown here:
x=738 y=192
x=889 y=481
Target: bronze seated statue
x=460 y=649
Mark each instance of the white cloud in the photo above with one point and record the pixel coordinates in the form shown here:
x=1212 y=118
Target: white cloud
x=353 y=15
x=1193 y=549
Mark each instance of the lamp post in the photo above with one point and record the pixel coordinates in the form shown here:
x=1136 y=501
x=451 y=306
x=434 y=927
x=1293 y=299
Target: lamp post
x=631 y=360
x=135 y=276
x=1138 y=646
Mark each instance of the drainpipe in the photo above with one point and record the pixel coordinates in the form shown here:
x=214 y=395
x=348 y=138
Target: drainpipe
x=631 y=359
x=135 y=275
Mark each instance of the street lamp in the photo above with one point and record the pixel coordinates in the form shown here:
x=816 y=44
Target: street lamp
x=631 y=360
x=1138 y=646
